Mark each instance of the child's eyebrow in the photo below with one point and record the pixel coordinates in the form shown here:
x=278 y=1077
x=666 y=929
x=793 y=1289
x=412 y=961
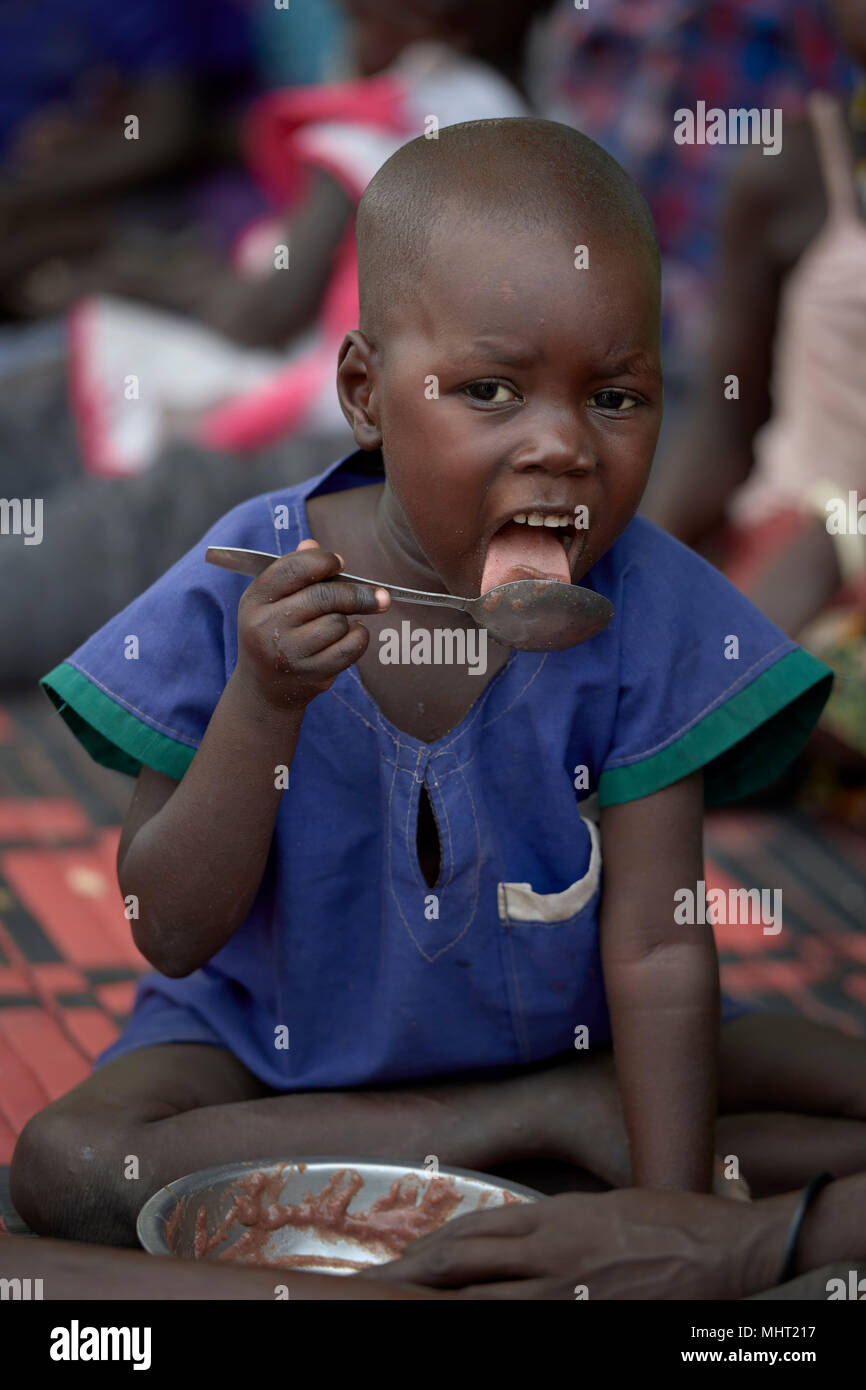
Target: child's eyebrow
x=501 y=350
x=620 y=364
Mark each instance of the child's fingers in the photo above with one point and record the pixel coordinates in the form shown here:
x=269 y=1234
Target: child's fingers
x=331 y=659
x=319 y=598
x=291 y=573
x=311 y=638
x=460 y=1263
x=305 y=573
x=383 y=595
x=314 y=545
x=515 y=1219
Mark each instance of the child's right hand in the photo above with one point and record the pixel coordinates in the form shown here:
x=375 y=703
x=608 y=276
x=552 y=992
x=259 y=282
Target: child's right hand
x=294 y=633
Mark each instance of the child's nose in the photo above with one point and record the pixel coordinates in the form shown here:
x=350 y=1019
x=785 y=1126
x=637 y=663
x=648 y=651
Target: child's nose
x=558 y=447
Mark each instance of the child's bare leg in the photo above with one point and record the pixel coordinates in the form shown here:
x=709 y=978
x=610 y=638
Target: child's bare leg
x=778 y=1152
x=182 y=1107
x=66 y=1177
x=792 y=1099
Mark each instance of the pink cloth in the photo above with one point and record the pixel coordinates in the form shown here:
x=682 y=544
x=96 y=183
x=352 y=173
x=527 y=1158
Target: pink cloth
x=818 y=427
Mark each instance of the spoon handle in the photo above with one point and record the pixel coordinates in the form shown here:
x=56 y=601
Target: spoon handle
x=410 y=595
x=254 y=562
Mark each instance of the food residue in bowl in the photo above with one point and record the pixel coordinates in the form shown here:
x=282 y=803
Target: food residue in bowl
x=385 y=1227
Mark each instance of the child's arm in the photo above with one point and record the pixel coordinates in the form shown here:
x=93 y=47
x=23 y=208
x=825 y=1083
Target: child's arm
x=662 y=983
x=82 y=155
x=800 y=579
x=267 y=311
x=260 y=311
x=193 y=853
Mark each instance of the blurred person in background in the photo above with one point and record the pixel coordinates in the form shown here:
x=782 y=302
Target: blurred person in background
x=70 y=178
x=752 y=480
x=245 y=365
x=253 y=359
x=620 y=69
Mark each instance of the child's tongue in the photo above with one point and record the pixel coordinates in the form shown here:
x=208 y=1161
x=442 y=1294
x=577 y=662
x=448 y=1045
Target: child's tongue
x=519 y=551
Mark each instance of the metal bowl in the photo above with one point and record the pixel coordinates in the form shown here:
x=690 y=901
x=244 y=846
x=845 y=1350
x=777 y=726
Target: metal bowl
x=267 y=1213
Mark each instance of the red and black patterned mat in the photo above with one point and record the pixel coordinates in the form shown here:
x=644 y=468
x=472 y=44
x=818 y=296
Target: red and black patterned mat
x=68 y=964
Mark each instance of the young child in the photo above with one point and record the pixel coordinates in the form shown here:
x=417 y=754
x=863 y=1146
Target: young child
x=372 y=892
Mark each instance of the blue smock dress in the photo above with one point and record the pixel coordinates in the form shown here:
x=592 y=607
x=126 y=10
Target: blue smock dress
x=347 y=954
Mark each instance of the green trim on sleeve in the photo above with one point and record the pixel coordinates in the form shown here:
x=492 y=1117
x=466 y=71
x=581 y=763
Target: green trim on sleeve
x=111 y=734
x=743 y=745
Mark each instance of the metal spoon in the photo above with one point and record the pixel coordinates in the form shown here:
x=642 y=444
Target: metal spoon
x=533 y=615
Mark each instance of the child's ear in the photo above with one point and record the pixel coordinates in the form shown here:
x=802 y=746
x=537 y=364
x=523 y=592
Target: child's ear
x=357 y=374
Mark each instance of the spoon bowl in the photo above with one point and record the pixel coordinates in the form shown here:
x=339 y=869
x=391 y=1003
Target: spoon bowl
x=540 y=615
x=531 y=615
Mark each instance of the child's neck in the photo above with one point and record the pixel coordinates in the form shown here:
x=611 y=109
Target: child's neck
x=423 y=700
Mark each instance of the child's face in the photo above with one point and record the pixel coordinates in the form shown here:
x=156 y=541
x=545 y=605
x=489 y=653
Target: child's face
x=549 y=396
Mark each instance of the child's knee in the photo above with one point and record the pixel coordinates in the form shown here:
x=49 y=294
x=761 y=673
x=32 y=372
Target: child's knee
x=66 y=1177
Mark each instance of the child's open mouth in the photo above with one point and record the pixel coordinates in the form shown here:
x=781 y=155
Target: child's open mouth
x=532 y=545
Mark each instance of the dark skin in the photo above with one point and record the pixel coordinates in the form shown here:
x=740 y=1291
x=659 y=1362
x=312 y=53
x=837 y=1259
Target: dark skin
x=55 y=218
x=621 y=1245
x=263 y=311
x=679 y=1246
x=574 y=421
x=774 y=209
x=64 y=167
x=425 y=701
x=78 y=1270
x=500 y=437
x=78 y=152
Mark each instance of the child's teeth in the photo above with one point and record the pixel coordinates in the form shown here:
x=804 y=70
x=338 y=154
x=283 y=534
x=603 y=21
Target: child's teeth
x=539 y=519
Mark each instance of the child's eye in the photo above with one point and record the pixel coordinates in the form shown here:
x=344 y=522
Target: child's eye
x=620 y=401
x=488 y=392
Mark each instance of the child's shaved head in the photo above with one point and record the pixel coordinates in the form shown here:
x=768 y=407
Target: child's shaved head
x=514 y=172
x=507 y=362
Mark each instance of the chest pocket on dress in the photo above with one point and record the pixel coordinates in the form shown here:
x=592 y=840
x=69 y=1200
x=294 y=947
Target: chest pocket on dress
x=551 y=957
